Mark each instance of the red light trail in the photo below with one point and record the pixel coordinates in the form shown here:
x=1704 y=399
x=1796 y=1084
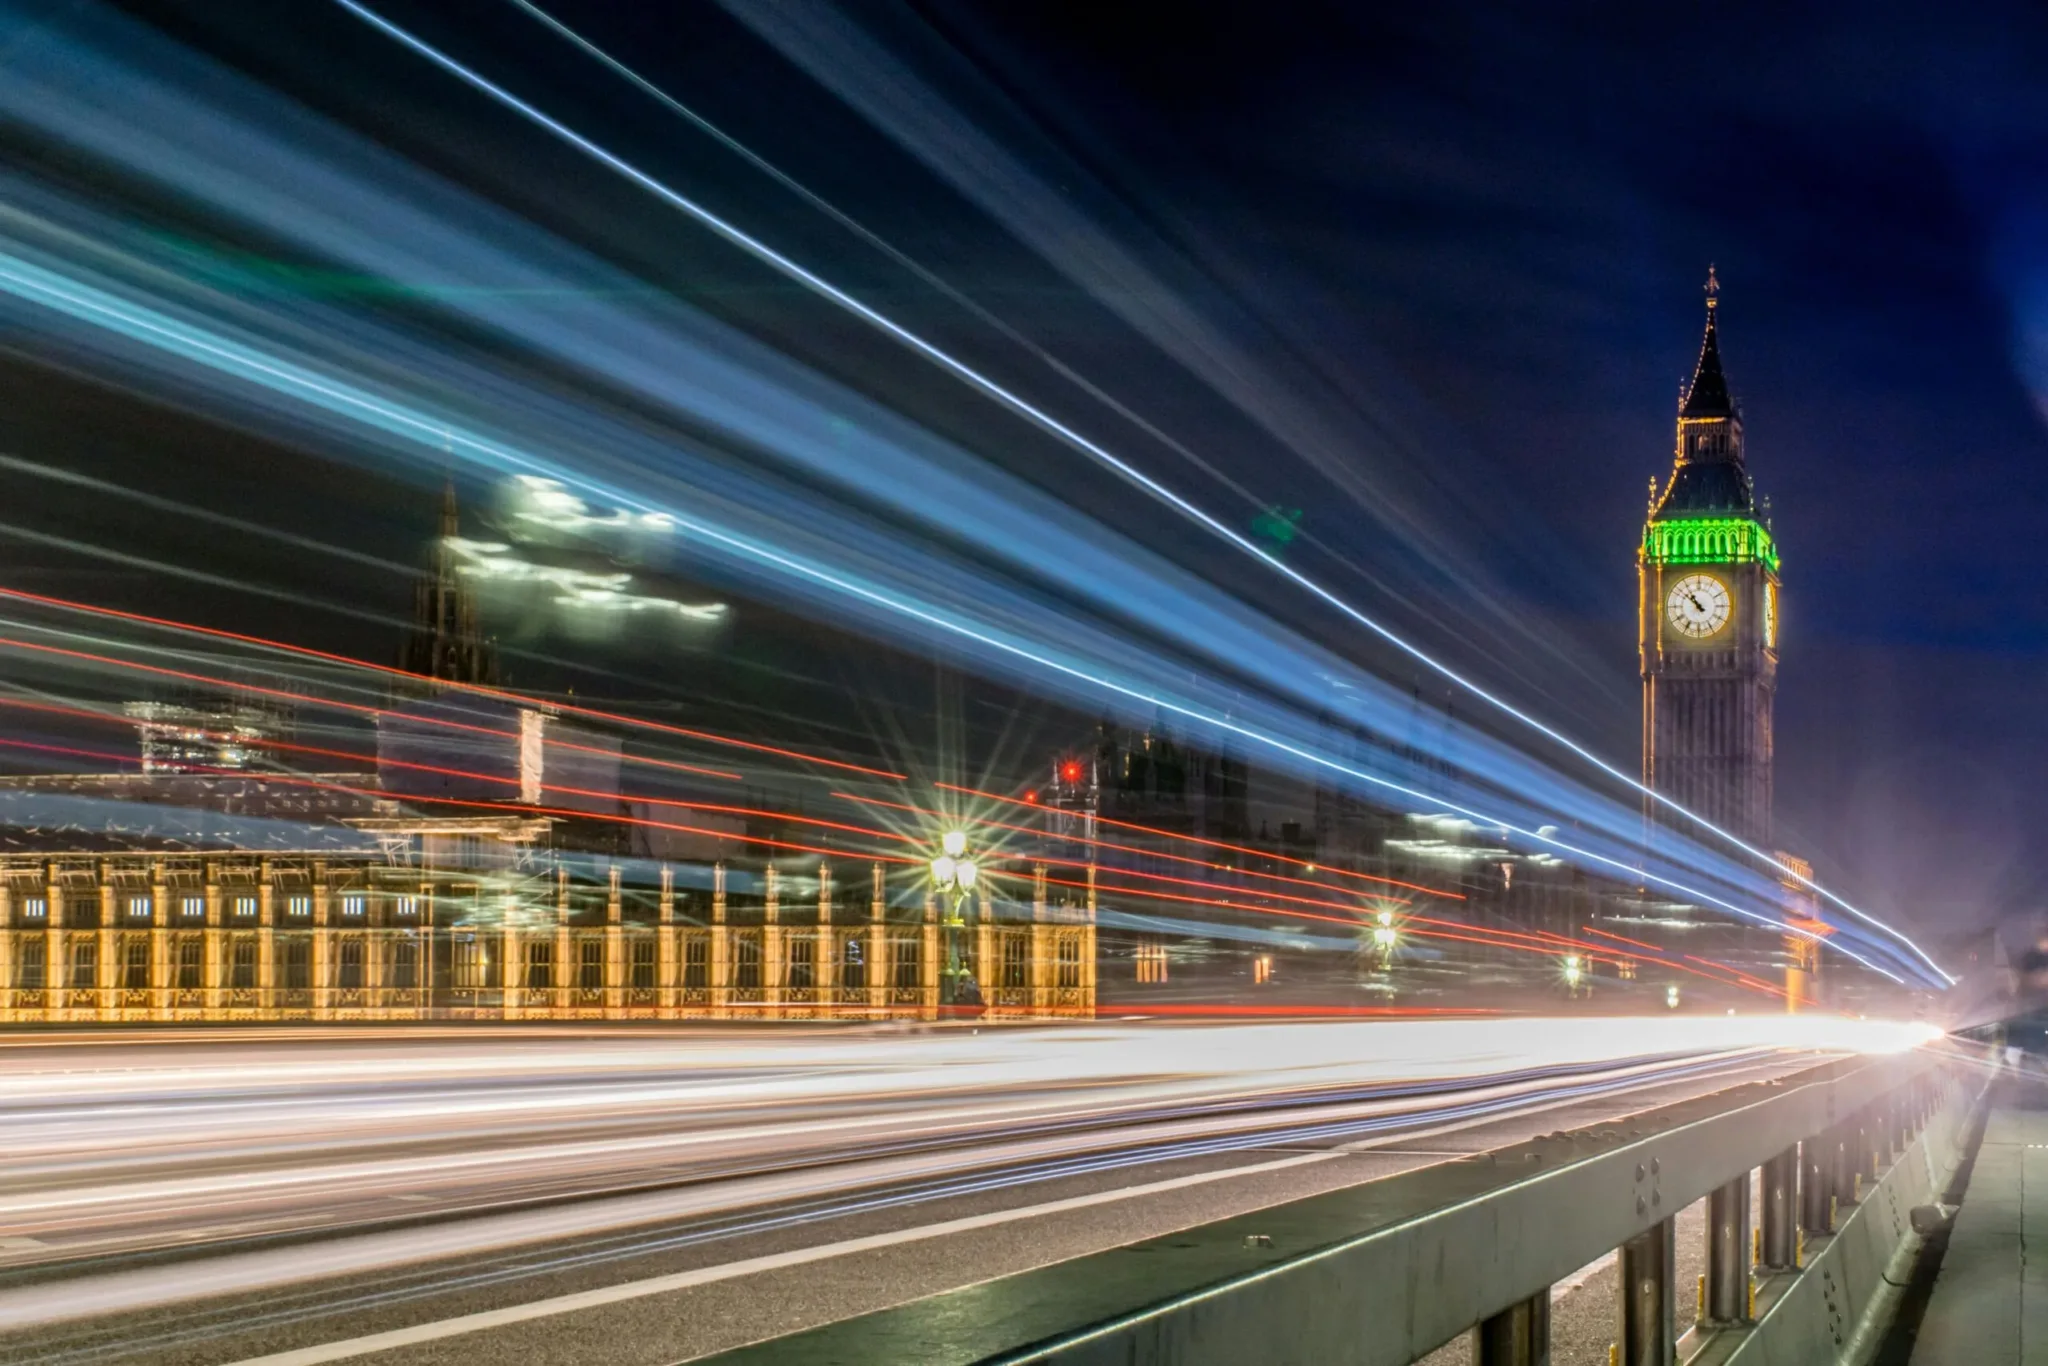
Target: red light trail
x=1539 y=943
x=983 y=821
x=498 y=694
x=1197 y=839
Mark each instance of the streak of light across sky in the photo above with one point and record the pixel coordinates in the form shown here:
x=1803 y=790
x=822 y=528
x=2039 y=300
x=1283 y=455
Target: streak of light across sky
x=1037 y=415
x=221 y=681
x=1205 y=660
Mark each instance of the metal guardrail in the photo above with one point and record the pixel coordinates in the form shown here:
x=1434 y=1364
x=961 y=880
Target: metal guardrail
x=1382 y=1273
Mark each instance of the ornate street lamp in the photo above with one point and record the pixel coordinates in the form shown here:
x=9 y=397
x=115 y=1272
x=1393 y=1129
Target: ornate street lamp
x=1384 y=936
x=953 y=877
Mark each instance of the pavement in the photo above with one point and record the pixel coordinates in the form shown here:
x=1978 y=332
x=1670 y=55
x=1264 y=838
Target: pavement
x=1989 y=1305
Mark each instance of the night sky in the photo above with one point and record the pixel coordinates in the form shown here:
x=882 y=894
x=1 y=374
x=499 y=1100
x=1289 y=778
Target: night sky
x=1472 y=237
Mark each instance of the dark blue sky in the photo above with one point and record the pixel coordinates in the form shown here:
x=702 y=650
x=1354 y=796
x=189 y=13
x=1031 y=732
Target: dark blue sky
x=1477 y=236
x=1503 y=216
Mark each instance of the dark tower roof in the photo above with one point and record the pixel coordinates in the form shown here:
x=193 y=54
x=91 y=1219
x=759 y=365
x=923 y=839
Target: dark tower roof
x=1707 y=395
x=1709 y=478
x=447 y=640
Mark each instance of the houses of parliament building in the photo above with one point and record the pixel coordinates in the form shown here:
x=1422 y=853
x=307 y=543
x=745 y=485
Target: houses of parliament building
x=388 y=899
x=205 y=888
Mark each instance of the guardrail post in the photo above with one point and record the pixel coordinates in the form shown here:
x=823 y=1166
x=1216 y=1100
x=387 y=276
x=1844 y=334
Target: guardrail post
x=1518 y=1335
x=1817 y=1184
x=1649 y=1308
x=1849 y=1163
x=1778 y=1248
x=1727 y=1298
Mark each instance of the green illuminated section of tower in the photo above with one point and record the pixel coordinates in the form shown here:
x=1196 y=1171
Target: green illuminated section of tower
x=1710 y=540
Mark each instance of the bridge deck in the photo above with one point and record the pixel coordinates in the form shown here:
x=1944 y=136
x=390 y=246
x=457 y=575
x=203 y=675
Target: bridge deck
x=1990 y=1301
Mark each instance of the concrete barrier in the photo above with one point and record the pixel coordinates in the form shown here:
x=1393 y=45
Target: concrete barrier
x=1837 y=1307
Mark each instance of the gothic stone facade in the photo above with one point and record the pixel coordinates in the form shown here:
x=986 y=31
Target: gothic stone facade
x=1707 y=571
x=133 y=937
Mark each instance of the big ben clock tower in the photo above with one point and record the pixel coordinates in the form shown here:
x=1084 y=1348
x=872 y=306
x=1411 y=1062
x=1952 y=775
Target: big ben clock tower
x=1708 y=631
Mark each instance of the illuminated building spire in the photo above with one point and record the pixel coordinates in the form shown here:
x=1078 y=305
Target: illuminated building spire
x=1708 y=477
x=1707 y=633
x=1707 y=396
x=447 y=640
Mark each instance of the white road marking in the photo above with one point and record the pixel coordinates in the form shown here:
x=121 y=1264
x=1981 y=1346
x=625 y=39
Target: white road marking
x=683 y=1280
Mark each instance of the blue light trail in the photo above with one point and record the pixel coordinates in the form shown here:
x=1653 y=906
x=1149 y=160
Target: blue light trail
x=1047 y=422
x=908 y=556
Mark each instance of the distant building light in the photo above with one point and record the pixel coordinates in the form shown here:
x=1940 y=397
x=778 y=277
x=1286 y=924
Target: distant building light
x=353 y=905
x=138 y=908
x=245 y=906
x=408 y=905
x=298 y=905
x=193 y=907
x=35 y=908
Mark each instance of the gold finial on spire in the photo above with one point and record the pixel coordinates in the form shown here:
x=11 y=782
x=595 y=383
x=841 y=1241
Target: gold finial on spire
x=1713 y=287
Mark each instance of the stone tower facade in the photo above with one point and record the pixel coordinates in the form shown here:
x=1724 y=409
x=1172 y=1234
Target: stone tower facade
x=1707 y=572
x=447 y=643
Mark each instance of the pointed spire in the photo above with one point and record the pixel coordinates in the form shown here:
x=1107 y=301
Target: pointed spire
x=1707 y=395
x=447 y=640
x=1708 y=475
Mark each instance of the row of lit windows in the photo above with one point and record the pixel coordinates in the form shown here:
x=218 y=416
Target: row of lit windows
x=187 y=966
x=353 y=906
x=470 y=961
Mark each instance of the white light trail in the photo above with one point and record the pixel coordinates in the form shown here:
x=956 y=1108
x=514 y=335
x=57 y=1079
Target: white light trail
x=1047 y=422
x=277 y=1133
x=30 y=281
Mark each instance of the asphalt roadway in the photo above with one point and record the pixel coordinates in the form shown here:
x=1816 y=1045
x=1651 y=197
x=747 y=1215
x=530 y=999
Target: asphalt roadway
x=540 y=1195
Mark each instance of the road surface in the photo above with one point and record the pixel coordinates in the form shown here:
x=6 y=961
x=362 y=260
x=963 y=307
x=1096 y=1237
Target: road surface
x=548 y=1194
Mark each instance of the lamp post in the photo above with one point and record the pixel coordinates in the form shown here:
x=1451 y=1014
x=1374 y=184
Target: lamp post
x=1383 y=937
x=953 y=876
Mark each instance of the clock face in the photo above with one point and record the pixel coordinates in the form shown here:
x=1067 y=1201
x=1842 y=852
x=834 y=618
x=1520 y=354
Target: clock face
x=1698 y=605
x=1771 y=615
